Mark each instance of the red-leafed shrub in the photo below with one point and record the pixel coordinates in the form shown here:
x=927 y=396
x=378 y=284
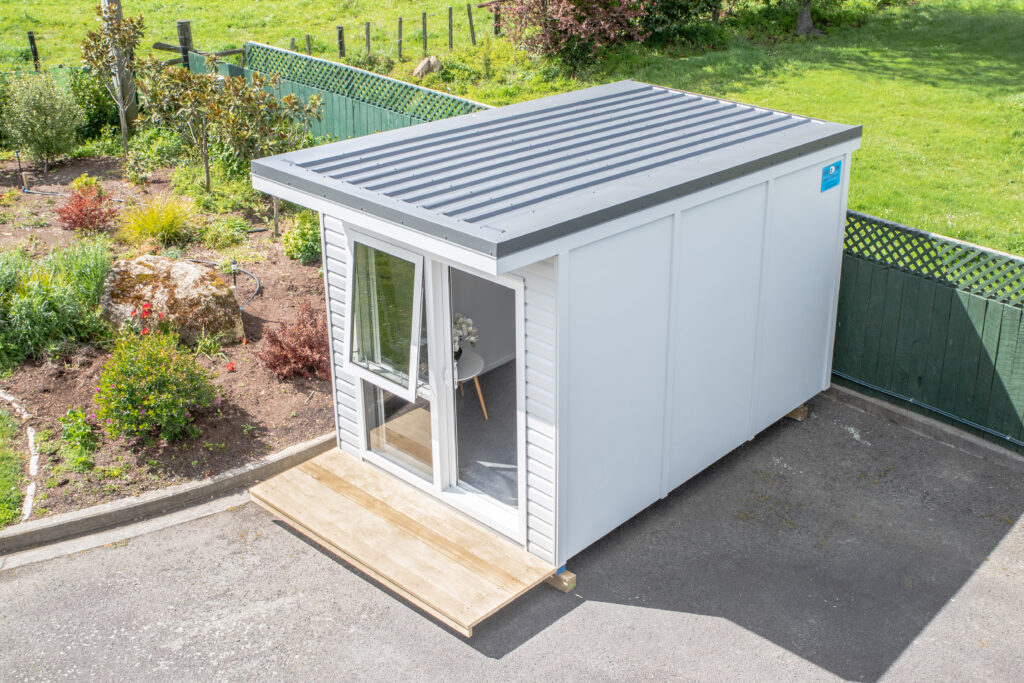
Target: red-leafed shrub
x=299 y=349
x=87 y=209
x=572 y=29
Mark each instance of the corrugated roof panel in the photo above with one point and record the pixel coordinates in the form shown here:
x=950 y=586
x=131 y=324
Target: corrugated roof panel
x=505 y=179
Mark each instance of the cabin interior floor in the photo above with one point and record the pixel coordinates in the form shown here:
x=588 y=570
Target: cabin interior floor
x=487 y=448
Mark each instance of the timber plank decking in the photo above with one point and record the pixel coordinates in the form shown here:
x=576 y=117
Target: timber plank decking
x=431 y=555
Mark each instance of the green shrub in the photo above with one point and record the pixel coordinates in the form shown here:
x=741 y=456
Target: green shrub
x=94 y=100
x=150 y=149
x=5 y=101
x=149 y=388
x=225 y=232
x=77 y=431
x=672 y=20
x=166 y=220
x=11 y=467
x=106 y=144
x=302 y=242
x=42 y=118
x=47 y=304
x=228 y=193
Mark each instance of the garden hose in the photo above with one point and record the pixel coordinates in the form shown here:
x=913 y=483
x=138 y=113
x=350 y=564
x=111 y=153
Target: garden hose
x=240 y=270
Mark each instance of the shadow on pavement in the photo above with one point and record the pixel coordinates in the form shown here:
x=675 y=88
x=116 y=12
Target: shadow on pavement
x=838 y=539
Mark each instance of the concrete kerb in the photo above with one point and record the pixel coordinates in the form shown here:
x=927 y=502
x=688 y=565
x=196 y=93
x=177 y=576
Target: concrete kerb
x=926 y=426
x=153 y=503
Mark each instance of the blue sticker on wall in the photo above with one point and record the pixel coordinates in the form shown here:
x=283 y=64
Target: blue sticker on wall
x=830 y=175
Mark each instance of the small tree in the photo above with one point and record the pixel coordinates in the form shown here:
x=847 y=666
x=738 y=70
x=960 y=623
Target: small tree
x=254 y=123
x=184 y=101
x=42 y=118
x=109 y=53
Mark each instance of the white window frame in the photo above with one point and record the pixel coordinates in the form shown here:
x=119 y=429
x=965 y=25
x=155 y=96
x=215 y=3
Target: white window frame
x=408 y=393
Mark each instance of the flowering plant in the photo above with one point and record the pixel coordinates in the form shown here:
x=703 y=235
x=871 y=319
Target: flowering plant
x=141 y=322
x=463 y=330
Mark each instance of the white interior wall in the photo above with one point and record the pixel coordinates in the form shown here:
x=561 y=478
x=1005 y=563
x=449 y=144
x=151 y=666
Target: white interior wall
x=732 y=300
x=490 y=305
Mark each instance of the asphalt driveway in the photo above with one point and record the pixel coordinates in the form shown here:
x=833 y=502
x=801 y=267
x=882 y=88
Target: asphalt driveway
x=844 y=546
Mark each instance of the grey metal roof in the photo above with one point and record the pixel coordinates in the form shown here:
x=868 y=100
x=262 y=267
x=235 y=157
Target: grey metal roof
x=505 y=179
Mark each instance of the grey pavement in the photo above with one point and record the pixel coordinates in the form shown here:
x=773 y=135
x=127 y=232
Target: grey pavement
x=841 y=547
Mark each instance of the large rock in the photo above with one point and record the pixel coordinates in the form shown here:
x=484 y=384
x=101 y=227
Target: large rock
x=428 y=65
x=194 y=299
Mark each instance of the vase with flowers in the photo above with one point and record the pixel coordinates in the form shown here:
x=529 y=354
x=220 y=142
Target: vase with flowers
x=463 y=331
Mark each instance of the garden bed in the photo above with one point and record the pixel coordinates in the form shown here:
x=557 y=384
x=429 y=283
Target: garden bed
x=256 y=413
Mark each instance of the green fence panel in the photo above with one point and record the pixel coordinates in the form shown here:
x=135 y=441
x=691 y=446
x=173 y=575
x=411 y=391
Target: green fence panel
x=355 y=102
x=934 y=321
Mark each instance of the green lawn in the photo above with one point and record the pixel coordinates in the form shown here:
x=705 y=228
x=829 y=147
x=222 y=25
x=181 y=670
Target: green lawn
x=938 y=87
x=11 y=471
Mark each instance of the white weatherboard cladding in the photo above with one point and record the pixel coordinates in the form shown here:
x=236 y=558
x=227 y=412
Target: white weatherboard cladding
x=731 y=300
x=335 y=273
x=539 y=292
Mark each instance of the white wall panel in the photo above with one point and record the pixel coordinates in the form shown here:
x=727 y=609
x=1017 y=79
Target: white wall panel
x=617 y=327
x=717 y=272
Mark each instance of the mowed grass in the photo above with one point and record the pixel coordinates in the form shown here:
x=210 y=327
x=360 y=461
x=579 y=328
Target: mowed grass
x=938 y=87
x=11 y=471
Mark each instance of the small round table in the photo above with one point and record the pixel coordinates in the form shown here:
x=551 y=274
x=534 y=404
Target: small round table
x=469 y=365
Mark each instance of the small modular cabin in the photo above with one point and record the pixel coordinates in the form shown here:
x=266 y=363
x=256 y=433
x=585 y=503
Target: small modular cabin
x=549 y=315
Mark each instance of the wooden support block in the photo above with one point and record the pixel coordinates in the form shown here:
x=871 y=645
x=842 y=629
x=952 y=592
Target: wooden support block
x=799 y=413
x=564 y=581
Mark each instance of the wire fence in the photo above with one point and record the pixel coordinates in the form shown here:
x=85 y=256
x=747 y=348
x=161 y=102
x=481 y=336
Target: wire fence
x=405 y=37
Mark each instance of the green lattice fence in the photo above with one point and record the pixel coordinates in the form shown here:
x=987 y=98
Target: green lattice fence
x=935 y=321
x=356 y=102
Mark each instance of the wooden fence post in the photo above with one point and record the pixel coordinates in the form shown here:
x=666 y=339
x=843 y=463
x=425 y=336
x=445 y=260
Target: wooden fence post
x=291 y=45
x=309 y=45
x=367 y=37
x=185 y=40
x=32 y=48
x=451 y=42
x=497 y=19
x=424 y=34
x=341 y=42
x=399 y=38
x=472 y=31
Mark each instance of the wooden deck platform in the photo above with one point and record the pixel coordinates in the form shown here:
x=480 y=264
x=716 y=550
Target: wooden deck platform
x=454 y=569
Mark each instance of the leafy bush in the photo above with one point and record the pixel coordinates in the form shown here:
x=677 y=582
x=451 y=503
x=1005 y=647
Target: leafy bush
x=94 y=100
x=47 y=304
x=106 y=144
x=5 y=102
x=227 y=193
x=166 y=220
x=150 y=387
x=378 y=63
x=302 y=242
x=88 y=209
x=150 y=149
x=673 y=20
x=225 y=232
x=11 y=464
x=299 y=349
x=572 y=29
x=42 y=118
x=79 y=439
